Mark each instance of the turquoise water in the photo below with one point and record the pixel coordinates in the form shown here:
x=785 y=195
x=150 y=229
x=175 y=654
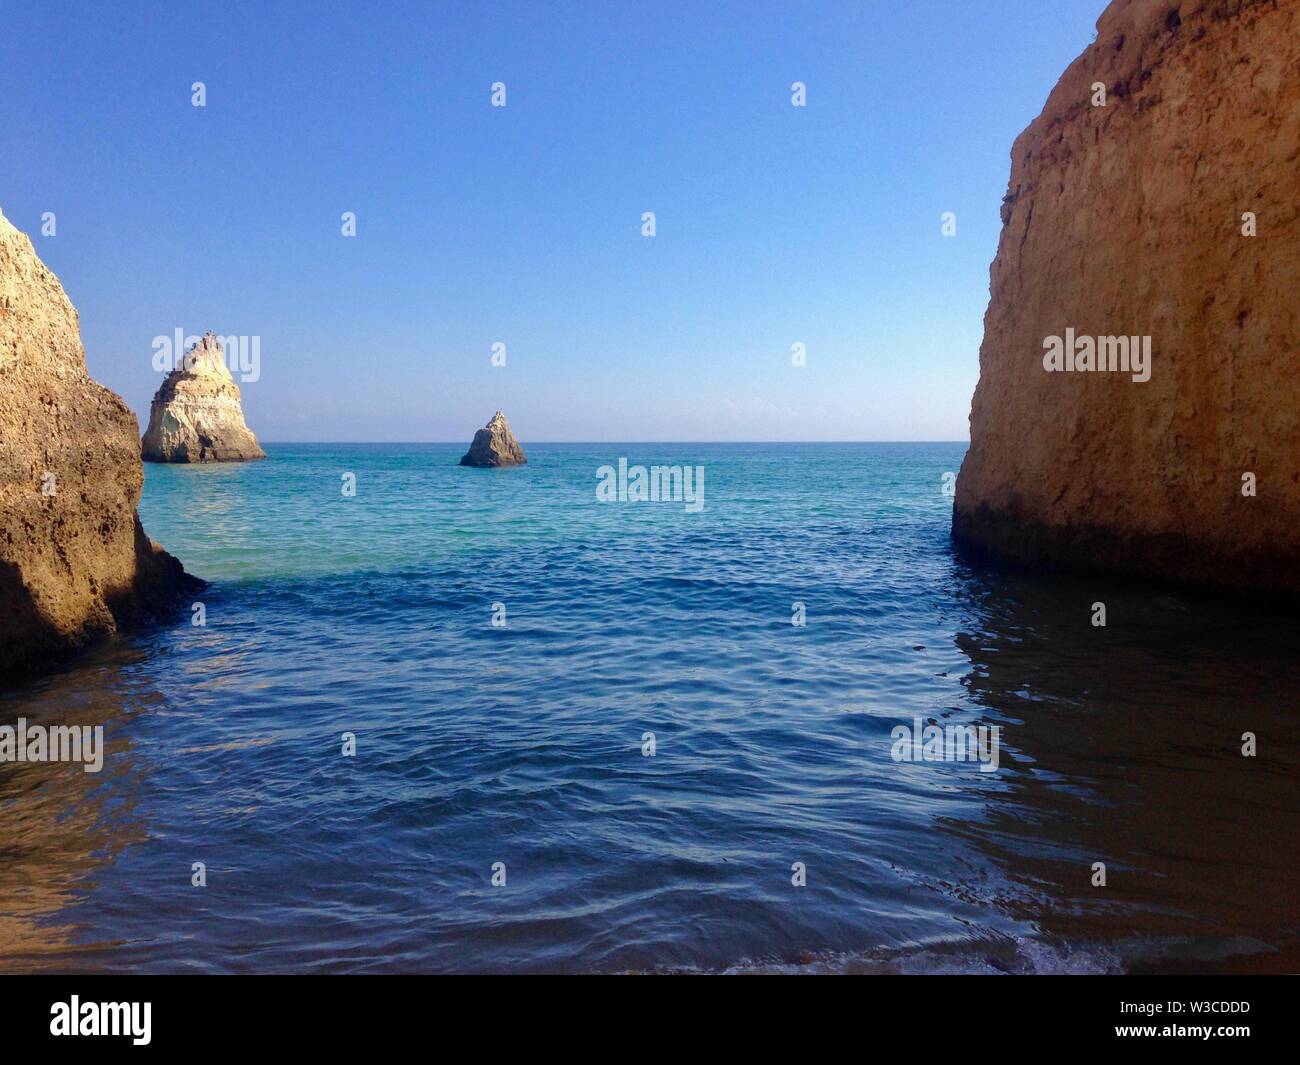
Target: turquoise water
x=524 y=744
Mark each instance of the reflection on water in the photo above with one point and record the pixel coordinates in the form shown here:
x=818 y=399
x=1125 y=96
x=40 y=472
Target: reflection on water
x=58 y=823
x=1129 y=751
x=475 y=745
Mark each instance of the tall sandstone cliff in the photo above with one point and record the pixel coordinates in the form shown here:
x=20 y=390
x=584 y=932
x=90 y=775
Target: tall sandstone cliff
x=1127 y=220
x=196 y=415
x=74 y=560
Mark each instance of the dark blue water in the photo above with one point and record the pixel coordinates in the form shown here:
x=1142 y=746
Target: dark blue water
x=523 y=744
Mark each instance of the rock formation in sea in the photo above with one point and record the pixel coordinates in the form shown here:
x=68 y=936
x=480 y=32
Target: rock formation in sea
x=75 y=563
x=196 y=415
x=495 y=445
x=1166 y=209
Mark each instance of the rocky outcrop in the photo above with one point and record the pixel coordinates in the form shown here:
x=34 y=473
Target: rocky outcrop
x=74 y=562
x=495 y=445
x=197 y=415
x=1132 y=220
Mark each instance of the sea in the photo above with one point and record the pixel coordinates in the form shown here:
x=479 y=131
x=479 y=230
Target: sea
x=427 y=718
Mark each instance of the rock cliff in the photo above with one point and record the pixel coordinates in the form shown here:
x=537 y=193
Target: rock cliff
x=197 y=415
x=74 y=561
x=1129 y=218
x=495 y=445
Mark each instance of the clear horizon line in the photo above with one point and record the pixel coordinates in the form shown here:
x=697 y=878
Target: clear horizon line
x=462 y=443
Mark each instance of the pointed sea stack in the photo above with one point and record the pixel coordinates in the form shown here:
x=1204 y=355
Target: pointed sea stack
x=196 y=415
x=75 y=563
x=1162 y=214
x=495 y=445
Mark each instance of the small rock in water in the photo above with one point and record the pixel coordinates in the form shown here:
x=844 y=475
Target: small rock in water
x=495 y=445
x=196 y=415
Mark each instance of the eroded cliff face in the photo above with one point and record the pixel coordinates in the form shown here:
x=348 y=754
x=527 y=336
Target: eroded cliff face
x=74 y=561
x=1131 y=220
x=197 y=415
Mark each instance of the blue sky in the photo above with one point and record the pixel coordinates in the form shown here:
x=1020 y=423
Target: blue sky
x=522 y=224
